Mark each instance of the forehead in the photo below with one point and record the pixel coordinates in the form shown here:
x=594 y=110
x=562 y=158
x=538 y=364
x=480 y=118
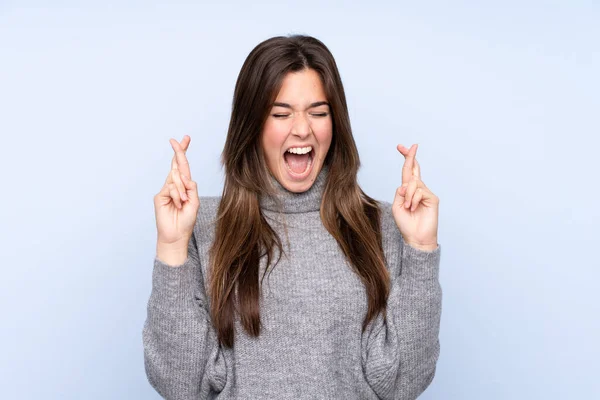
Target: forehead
x=302 y=87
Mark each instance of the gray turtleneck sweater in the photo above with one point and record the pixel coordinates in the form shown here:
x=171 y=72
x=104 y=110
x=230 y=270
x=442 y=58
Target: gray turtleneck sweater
x=311 y=344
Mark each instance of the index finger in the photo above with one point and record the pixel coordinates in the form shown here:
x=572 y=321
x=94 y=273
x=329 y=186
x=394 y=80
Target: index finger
x=182 y=163
x=185 y=142
x=417 y=169
x=409 y=164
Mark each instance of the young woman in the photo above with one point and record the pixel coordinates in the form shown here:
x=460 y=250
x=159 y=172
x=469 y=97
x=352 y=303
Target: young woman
x=294 y=283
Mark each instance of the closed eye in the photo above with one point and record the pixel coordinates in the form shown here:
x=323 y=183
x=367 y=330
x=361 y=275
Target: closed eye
x=323 y=114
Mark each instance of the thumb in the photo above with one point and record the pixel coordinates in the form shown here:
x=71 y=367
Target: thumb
x=399 y=198
x=191 y=189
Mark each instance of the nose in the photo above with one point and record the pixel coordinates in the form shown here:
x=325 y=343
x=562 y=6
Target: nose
x=301 y=126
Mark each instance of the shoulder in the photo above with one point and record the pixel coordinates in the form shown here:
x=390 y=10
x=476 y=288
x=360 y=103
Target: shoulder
x=388 y=224
x=390 y=236
x=208 y=206
x=206 y=217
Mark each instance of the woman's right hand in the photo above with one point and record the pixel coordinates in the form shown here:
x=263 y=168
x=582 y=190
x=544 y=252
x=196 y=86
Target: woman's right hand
x=176 y=205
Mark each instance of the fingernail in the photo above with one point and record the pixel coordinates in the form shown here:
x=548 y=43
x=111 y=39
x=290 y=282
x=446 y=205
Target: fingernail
x=183 y=196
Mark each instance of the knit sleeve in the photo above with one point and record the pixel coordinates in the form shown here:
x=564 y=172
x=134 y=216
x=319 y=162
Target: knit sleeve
x=399 y=355
x=182 y=357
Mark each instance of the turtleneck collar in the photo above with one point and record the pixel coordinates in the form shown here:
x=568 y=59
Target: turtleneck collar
x=290 y=202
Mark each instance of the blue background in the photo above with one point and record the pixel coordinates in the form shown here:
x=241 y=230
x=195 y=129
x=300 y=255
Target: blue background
x=501 y=96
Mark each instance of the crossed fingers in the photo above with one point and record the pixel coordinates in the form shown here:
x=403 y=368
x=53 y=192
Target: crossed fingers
x=179 y=166
x=413 y=189
x=411 y=167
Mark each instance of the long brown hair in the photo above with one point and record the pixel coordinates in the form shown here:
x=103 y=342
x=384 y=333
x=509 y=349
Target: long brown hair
x=242 y=234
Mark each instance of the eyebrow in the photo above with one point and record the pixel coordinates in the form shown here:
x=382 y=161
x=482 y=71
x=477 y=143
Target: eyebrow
x=312 y=105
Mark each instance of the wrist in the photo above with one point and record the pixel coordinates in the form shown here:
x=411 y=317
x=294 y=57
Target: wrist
x=427 y=246
x=172 y=253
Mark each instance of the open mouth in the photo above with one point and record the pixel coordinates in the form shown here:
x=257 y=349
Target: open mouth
x=299 y=161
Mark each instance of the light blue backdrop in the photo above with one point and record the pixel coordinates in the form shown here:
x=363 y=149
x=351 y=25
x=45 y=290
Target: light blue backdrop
x=502 y=98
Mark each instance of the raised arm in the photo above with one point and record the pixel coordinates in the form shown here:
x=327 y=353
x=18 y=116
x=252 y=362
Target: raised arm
x=182 y=356
x=400 y=355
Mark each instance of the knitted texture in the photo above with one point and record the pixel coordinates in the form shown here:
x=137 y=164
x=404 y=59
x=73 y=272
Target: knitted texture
x=311 y=344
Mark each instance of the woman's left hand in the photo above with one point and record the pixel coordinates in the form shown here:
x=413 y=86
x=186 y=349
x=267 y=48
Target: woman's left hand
x=415 y=207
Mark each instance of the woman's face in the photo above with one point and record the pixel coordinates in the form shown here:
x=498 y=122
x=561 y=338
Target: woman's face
x=297 y=134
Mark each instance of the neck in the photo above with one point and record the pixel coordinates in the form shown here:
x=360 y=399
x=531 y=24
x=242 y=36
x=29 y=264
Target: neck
x=289 y=202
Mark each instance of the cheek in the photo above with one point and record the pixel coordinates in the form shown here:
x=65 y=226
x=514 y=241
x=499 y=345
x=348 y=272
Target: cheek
x=273 y=138
x=324 y=134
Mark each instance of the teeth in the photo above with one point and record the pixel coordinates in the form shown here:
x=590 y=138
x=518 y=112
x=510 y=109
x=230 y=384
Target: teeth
x=300 y=150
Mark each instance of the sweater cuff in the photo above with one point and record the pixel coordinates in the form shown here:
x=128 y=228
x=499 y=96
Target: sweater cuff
x=420 y=264
x=175 y=284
